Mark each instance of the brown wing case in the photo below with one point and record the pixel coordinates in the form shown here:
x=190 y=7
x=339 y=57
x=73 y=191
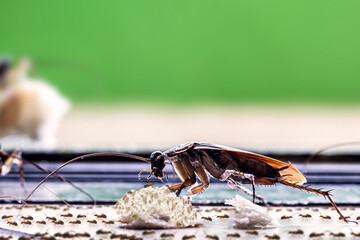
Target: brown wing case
x=290 y=173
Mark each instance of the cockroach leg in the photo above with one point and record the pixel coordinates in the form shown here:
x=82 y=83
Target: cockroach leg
x=147 y=170
x=236 y=185
x=317 y=191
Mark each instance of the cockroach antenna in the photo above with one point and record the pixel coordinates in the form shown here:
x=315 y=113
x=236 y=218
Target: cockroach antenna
x=83 y=157
x=17 y=155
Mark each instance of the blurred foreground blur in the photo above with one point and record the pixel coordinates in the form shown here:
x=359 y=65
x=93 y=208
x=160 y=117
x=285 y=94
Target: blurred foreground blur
x=29 y=108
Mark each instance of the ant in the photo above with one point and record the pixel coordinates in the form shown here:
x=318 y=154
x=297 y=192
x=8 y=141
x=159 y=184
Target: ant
x=188 y=237
x=223 y=216
x=233 y=235
x=41 y=222
x=166 y=235
x=306 y=216
x=7 y=216
x=338 y=235
x=58 y=222
x=81 y=216
x=38 y=234
x=12 y=223
x=108 y=222
x=75 y=222
x=26 y=223
x=325 y=217
x=316 y=235
x=51 y=218
x=66 y=215
x=92 y=221
x=100 y=215
x=5 y=238
x=275 y=237
x=355 y=234
x=27 y=218
x=207 y=218
x=85 y=234
x=297 y=232
x=252 y=232
x=212 y=237
x=284 y=217
x=346 y=217
x=121 y=236
x=148 y=232
x=102 y=232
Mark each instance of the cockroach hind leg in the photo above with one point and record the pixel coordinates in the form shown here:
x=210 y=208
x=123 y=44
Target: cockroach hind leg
x=326 y=194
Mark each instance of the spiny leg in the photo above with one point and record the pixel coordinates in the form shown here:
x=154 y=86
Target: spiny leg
x=205 y=182
x=235 y=185
x=252 y=180
x=326 y=194
x=186 y=173
x=147 y=170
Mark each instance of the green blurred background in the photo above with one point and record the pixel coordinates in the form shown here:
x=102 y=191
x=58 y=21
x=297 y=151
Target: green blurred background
x=190 y=51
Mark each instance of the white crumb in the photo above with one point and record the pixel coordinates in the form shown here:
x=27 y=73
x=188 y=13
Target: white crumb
x=154 y=207
x=249 y=215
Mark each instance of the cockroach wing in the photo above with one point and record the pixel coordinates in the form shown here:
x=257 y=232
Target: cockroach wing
x=289 y=172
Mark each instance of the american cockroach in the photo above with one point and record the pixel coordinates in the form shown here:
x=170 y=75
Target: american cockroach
x=233 y=165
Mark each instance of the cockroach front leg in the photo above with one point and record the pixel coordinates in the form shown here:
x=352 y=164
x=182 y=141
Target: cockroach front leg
x=186 y=173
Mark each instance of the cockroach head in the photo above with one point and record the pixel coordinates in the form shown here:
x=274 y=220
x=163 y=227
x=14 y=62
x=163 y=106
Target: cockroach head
x=157 y=164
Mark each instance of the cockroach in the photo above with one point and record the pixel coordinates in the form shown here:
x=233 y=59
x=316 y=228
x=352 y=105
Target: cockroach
x=233 y=235
x=233 y=165
x=274 y=237
x=207 y=218
x=223 y=216
x=297 y=232
x=212 y=237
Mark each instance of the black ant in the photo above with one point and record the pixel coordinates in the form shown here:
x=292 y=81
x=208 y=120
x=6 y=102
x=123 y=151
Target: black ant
x=338 y=235
x=284 y=217
x=7 y=216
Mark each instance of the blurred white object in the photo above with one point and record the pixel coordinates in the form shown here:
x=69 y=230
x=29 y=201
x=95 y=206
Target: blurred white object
x=29 y=107
x=249 y=215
